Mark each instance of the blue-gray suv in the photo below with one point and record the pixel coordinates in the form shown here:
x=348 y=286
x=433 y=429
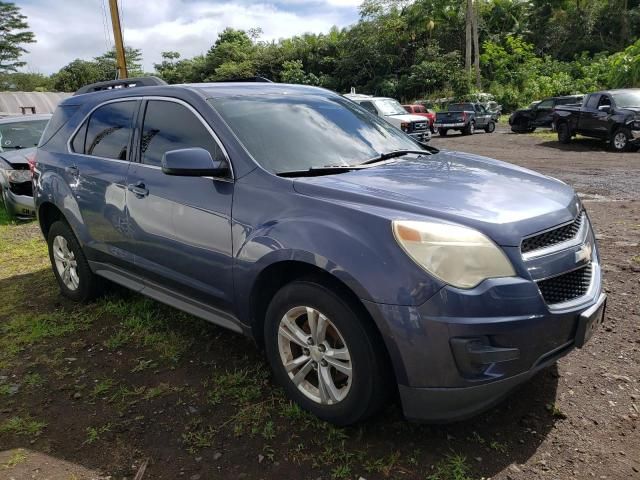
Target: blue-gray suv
x=366 y=264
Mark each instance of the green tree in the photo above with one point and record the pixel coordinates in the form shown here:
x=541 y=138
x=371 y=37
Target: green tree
x=25 y=82
x=107 y=63
x=231 y=57
x=77 y=74
x=13 y=34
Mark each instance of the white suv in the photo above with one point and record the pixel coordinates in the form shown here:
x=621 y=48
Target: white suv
x=391 y=110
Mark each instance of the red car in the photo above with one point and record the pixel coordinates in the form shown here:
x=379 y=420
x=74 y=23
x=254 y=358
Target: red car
x=417 y=109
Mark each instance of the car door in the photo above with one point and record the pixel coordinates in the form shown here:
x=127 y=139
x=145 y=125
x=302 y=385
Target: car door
x=96 y=174
x=601 y=118
x=180 y=226
x=543 y=115
x=482 y=116
x=588 y=122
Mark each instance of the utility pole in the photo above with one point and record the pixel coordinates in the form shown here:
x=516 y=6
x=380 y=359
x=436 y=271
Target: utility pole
x=117 y=35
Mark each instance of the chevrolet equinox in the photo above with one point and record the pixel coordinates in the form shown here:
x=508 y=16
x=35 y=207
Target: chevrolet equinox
x=364 y=263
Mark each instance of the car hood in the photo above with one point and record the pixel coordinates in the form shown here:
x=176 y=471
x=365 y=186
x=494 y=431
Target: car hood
x=503 y=201
x=17 y=157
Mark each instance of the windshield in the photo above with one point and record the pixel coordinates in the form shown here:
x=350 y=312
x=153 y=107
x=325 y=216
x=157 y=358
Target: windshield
x=21 y=134
x=389 y=106
x=299 y=132
x=627 y=99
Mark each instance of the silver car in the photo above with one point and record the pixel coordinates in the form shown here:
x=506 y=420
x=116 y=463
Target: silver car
x=19 y=136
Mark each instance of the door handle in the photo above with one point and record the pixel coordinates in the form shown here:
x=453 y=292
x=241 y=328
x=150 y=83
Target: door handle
x=138 y=189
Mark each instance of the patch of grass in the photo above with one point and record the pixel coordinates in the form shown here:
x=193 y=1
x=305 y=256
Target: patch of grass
x=498 y=446
x=147 y=324
x=383 y=465
x=117 y=340
x=198 y=436
x=95 y=434
x=158 y=391
x=143 y=365
x=25 y=426
x=636 y=259
x=240 y=386
x=33 y=380
x=453 y=467
x=18 y=457
x=102 y=387
x=269 y=430
x=555 y=412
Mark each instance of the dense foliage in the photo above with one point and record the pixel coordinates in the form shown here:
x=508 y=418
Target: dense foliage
x=414 y=50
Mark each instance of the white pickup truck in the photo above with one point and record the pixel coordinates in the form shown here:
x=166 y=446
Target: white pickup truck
x=394 y=113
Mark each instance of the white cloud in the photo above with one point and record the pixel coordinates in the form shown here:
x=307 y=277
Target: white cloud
x=79 y=29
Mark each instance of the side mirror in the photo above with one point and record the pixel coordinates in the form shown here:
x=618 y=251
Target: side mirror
x=193 y=162
x=604 y=108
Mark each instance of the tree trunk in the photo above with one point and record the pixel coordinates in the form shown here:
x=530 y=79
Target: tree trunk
x=468 y=22
x=476 y=44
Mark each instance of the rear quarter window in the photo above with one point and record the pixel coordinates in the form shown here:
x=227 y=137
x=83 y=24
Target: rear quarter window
x=60 y=117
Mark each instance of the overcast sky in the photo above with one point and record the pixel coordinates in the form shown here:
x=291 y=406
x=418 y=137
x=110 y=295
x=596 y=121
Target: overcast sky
x=70 y=29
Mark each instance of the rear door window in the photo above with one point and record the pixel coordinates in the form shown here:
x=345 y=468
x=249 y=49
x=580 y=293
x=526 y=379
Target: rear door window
x=369 y=106
x=171 y=126
x=107 y=133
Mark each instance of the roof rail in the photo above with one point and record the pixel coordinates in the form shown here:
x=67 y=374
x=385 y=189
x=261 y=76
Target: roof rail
x=255 y=79
x=121 y=83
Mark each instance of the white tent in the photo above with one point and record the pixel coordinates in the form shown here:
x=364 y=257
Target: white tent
x=17 y=103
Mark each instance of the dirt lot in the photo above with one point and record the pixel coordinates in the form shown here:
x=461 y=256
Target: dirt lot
x=111 y=385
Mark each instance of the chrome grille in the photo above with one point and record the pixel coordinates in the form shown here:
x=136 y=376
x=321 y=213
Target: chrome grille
x=420 y=126
x=553 y=237
x=566 y=287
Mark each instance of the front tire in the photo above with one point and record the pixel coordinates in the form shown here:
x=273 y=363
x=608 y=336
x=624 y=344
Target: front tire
x=324 y=354
x=443 y=132
x=490 y=128
x=70 y=267
x=620 y=140
x=564 y=136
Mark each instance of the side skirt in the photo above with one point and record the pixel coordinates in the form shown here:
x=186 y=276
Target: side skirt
x=167 y=296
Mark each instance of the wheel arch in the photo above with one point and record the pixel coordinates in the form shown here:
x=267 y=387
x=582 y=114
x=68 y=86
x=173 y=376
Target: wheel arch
x=278 y=274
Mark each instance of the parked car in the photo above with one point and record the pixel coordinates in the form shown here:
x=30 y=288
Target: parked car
x=466 y=118
x=539 y=114
x=422 y=111
x=19 y=136
x=494 y=108
x=363 y=263
x=612 y=115
x=390 y=109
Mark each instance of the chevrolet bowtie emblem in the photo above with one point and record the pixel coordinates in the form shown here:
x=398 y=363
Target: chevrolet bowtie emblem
x=584 y=253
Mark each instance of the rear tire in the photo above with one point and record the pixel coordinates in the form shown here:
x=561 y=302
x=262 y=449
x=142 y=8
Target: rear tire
x=70 y=266
x=490 y=128
x=564 y=135
x=620 y=140
x=443 y=132
x=301 y=360
x=469 y=129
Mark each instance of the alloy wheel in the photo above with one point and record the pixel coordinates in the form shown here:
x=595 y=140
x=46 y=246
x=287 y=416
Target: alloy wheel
x=66 y=263
x=315 y=355
x=620 y=141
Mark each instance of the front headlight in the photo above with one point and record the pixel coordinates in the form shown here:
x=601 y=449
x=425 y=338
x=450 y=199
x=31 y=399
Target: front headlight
x=457 y=255
x=19 y=176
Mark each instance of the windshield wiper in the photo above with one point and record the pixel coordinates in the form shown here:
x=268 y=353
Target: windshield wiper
x=398 y=153
x=317 y=171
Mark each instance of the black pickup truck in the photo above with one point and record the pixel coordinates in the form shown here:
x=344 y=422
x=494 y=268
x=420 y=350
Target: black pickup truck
x=465 y=117
x=612 y=115
x=540 y=114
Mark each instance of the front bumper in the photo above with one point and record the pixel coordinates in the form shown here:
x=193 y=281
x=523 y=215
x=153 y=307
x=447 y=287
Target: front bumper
x=449 y=125
x=423 y=136
x=21 y=206
x=462 y=351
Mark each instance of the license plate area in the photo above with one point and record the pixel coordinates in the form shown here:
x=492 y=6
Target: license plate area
x=590 y=320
